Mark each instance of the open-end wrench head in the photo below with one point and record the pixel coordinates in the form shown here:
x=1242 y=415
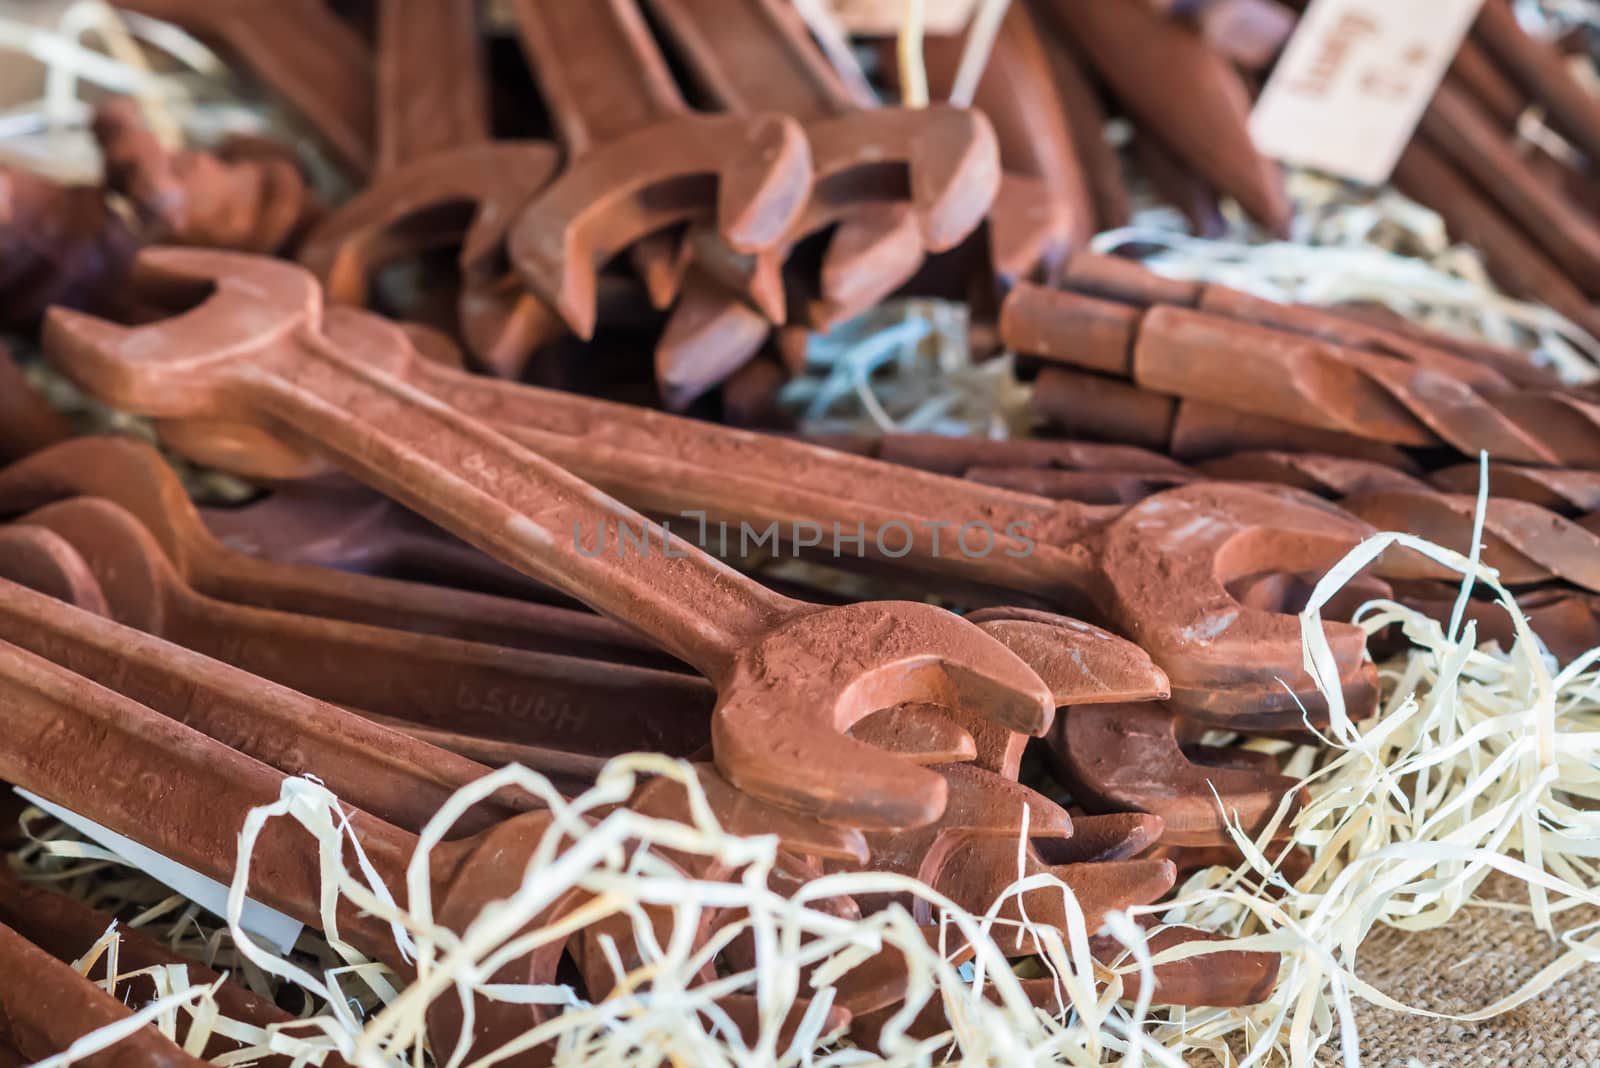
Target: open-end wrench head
x=950 y=157
x=165 y=368
x=492 y=871
x=742 y=814
x=1082 y=664
x=42 y=560
x=652 y=179
x=491 y=180
x=1167 y=563
x=778 y=730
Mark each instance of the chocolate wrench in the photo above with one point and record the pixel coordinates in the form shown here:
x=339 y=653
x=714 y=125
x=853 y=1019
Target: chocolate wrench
x=436 y=158
x=1156 y=571
x=1225 y=659
x=791 y=677
x=940 y=162
x=638 y=161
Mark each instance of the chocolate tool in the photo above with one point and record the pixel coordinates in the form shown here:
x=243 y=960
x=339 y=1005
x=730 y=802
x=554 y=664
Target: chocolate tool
x=1174 y=352
x=133 y=475
x=46 y=1006
x=1044 y=209
x=536 y=699
x=1464 y=133
x=1078 y=556
x=1525 y=542
x=1179 y=88
x=1571 y=493
x=51 y=606
x=1080 y=99
x=937 y=168
x=186 y=796
x=141 y=742
x=66 y=928
x=638 y=161
x=440 y=179
x=1361 y=327
x=1542 y=72
x=1516 y=263
x=1119 y=758
x=302 y=51
x=27 y=421
x=973 y=853
x=791 y=677
x=493 y=693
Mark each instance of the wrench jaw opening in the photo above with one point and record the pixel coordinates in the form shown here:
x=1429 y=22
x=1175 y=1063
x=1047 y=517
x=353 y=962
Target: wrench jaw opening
x=489 y=181
x=635 y=186
x=1166 y=565
x=1121 y=757
x=778 y=731
x=943 y=159
x=255 y=305
x=493 y=869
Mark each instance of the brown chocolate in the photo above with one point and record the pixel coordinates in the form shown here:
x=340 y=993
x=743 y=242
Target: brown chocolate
x=632 y=143
x=1182 y=91
x=1035 y=134
x=65 y=929
x=1121 y=757
x=1541 y=71
x=532 y=698
x=134 y=476
x=784 y=690
x=46 y=1006
x=939 y=163
x=27 y=421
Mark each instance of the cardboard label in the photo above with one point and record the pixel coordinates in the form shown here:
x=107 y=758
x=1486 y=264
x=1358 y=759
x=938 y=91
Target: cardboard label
x=1354 y=80
x=269 y=924
x=883 y=18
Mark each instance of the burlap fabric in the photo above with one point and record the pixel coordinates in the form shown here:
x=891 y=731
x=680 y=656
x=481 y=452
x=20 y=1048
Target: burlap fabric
x=1482 y=956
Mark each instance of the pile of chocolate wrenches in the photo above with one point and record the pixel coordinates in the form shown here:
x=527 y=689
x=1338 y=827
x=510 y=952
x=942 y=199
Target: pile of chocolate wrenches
x=452 y=559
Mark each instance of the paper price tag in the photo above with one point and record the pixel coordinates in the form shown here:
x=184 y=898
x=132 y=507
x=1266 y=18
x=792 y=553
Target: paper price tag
x=1354 y=80
x=267 y=923
x=883 y=18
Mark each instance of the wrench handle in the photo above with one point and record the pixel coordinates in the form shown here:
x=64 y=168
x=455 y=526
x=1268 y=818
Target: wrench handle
x=510 y=502
x=600 y=72
x=431 y=93
x=755 y=55
x=170 y=789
